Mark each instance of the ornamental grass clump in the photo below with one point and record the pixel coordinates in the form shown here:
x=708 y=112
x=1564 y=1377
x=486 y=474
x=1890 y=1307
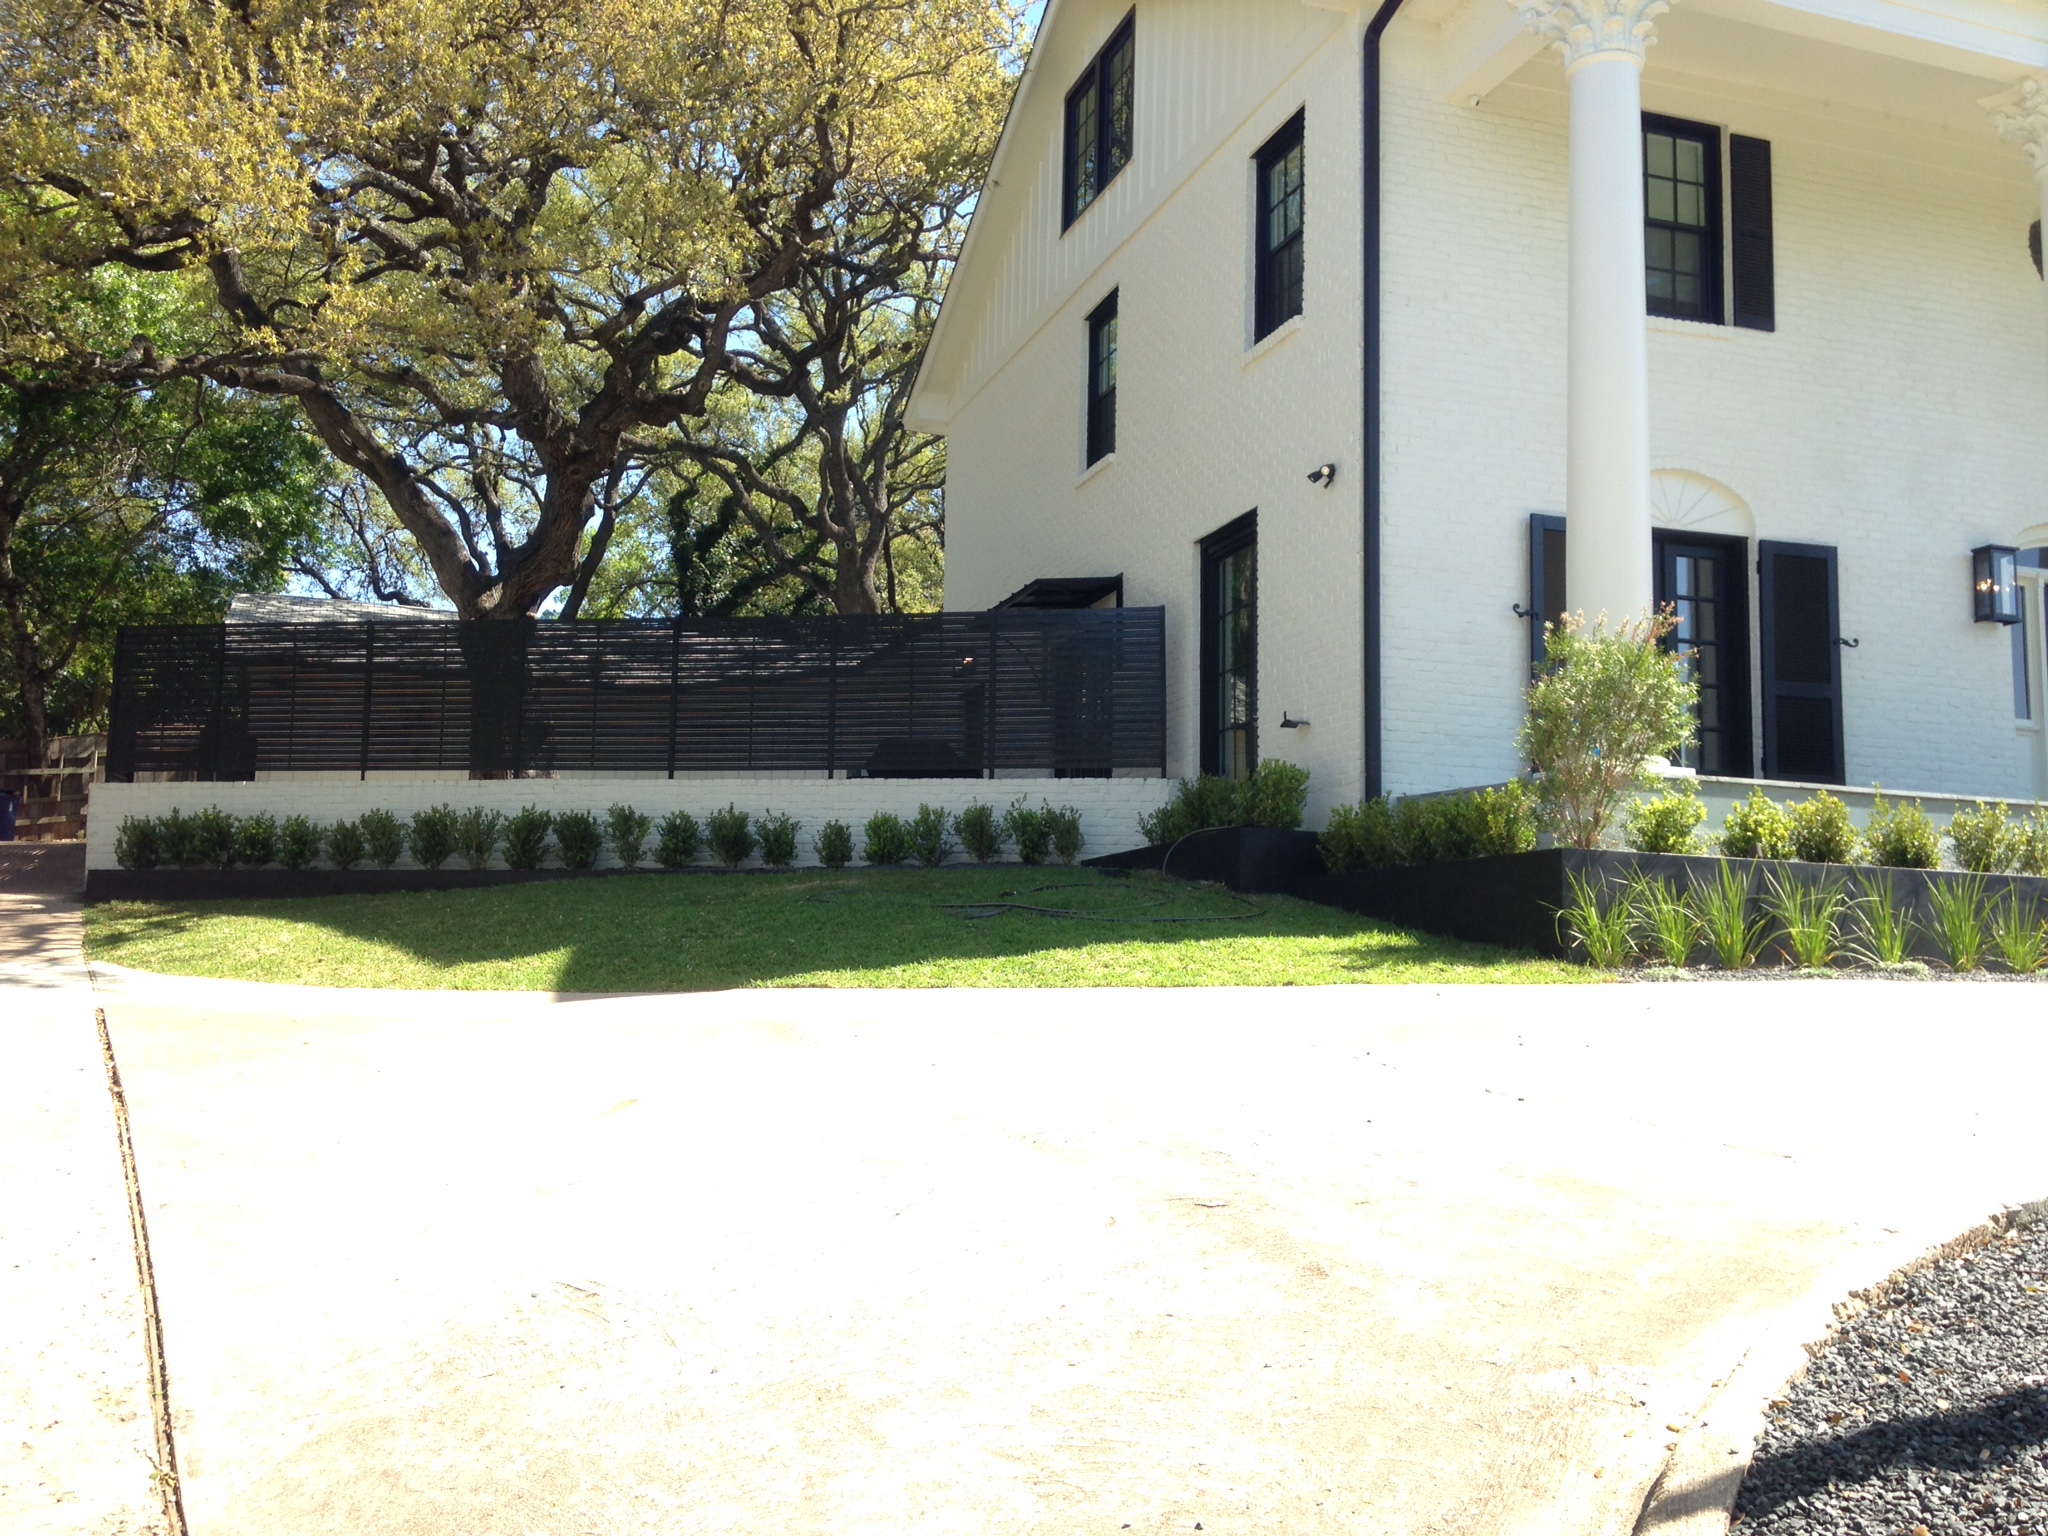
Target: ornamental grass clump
x=298 y=842
x=676 y=840
x=1757 y=828
x=1822 y=832
x=628 y=829
x=1982 y=838
x=1029 y=832
x=1901 y=836
x=1603 y=704
x=885 y=840
x=1668 y=920
x=2018 y=934
x=1809 y=919
x=778 y=839
x=1961 y=920
x=1884 y=925
x=980 y=833
x=730 y=836
x=929 y=836
x=256 y=840
x=383 y=838
x=434 y=836
x=138 y=843
x=345 y=845
x=526 y=837
x=834 y=845
x=1600 y=921
x=477 y=833
x=579 y=837
x=1667 y=823
x=1734 y=932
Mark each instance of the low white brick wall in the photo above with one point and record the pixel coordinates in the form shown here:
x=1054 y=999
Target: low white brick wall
x=1109 y=808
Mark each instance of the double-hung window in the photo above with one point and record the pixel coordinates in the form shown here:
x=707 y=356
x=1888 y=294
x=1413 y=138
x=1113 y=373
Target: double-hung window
x=1707 y=256
x=1102 y=380
x=1099 y=121
x=1279 y=236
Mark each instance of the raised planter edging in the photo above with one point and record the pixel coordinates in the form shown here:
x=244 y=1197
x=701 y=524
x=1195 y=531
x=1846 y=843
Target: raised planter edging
x=1261 y=860
x=1512 y=900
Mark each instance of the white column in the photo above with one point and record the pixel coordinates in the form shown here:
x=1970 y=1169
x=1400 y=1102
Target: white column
x=1607 y=445
x=2021 y=114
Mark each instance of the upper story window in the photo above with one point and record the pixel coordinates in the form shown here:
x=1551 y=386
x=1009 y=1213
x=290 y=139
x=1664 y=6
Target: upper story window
x=1102 y=380
x=1279 y=236
x=1682 y=218
x=1099 y=120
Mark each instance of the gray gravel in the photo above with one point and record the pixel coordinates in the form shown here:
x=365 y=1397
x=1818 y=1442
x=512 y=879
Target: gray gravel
x=1928 y=1412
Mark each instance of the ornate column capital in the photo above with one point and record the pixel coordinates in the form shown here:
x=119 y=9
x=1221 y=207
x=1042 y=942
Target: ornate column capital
x=2021 y=115
x=1582 y=29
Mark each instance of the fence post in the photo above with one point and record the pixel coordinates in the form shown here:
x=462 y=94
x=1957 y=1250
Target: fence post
x=675 y=668
x=369 y=676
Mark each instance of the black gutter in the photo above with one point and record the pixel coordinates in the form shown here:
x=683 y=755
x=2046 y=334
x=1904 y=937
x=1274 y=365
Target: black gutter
x=1374 y=759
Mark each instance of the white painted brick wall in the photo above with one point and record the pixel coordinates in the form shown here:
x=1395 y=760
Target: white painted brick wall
x=1897 y=412
x=1109 y=808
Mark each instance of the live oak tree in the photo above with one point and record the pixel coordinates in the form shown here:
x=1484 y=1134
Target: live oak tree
x=499 y=252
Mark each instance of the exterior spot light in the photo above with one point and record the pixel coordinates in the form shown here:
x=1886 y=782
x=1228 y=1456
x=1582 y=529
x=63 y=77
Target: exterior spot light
x=1995 y=577
x=1322 y=474
x=1289 y=723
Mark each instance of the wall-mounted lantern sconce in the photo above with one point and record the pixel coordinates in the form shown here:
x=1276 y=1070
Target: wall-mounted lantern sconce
x=1322 y=475
x=1994 y=573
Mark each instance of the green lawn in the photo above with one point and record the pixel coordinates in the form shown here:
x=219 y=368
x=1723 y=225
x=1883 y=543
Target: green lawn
x=855 y=928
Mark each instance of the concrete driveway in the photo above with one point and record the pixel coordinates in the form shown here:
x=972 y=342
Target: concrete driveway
x=1366 y=1260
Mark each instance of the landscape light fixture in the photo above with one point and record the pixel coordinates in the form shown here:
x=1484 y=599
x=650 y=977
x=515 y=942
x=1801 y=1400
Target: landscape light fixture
x=1322 y=475
x=1994 y=574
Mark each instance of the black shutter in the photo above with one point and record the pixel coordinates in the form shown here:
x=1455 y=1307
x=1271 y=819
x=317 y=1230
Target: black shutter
x=1546 y=578
x=1749 y=210
x=1802 y=662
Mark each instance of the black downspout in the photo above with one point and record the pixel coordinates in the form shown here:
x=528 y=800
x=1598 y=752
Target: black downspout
x=1375 y=760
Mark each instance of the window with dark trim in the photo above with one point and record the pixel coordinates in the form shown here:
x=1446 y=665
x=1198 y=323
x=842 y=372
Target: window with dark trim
x=1102 y=379
x=1682 y=218
x=1099 y=118
x=1230 y=645
x=1280 y=194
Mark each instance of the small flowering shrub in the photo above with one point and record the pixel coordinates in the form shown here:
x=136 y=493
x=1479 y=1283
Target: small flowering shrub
x=885 y=840
x=580 y=838
x=1029 y=832
x=980 y=834
x=477 y=835
x=1064 y=823
x=138 y=842
x=526 y=837
x=677 y=839
x=1982 y=838
x=1757 y=828
x=730 y=836
x=929 y=836
x=256 y=840
x=383 y=838
x=345 y=844
x=434 y=836
x=1669 y=823
x=298 y=842
x=778 y=839
x=1901 y=836
x=834 y=845
x=628 y=831
x=1822 y=832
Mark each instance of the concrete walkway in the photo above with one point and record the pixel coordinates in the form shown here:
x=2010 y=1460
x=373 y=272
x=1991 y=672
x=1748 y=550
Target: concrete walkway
x=1367 y=1260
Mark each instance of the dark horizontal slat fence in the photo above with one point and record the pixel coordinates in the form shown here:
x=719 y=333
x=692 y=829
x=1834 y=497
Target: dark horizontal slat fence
x=1077 y=693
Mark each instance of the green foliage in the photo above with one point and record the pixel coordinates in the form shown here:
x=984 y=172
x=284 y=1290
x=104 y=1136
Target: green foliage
x=1601 y=706
x=1808 y=916
x=778 y=839
x=834 y=845
x=1503 y=819
x=677 y=839
x=2030 y=844
x=1028 y=831
x=345 y=844
x=929 y=836
x=1276 y=796
x=1063 y=822
x=434 y=836
x=1961 y=920
x=298 y=842
x=1900 y=836
x=1600 y=921
x=213 y=838
x=477 y=834
x=1428 y=829
x=628 y=831
x=1983 y=838
x=138 y=842
x=1885 y=927
x=979 y=833
x=1669 y=823
x=383 y=838
x=1195 y=805
x=1757 y=828
x=175 y=838
x=2018 y=934
x=885 y=840
x=526 y=837
x=580 y=837
x=1667 y=918
x=256 y=840
x=730 y=835
x=1734 y=932
x=1822 y=832
x=1359 y=837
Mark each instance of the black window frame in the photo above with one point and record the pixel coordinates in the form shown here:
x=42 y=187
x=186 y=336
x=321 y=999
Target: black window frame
x=1101 y=396
x=1713 y=237
x=1239 y=536
x=1278 y=266
x=1089 y=101
x=1730 y=553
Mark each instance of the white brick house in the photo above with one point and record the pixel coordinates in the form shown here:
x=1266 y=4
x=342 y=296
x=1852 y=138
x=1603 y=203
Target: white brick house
x=1848 y=397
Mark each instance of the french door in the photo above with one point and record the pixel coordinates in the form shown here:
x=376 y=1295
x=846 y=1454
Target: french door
x=1704 y=580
